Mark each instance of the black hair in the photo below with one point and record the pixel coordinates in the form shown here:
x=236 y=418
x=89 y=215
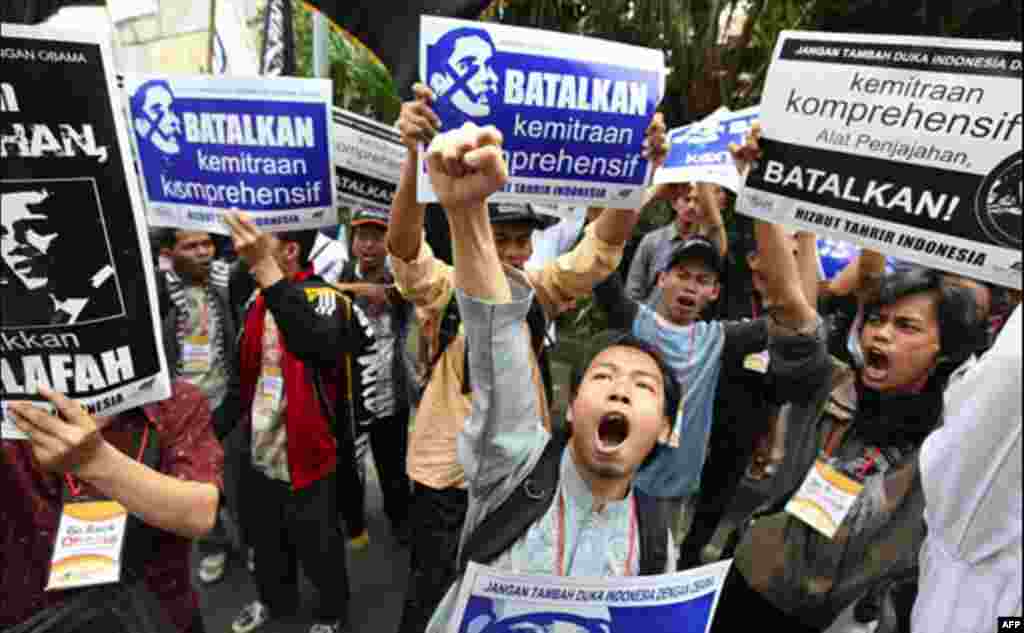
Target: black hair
x=164 y=238
x=305 y=239
x=441 y=51
x=961 y=333
x=619 y=338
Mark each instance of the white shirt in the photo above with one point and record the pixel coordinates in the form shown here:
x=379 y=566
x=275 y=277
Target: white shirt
x=329 y=256
x=971 y=474
x=557 y=240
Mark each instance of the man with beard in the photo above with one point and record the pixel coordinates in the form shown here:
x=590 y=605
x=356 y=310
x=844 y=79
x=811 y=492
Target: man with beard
x=29 y=293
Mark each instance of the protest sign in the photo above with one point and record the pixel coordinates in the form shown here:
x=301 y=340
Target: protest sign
x=78 y=309
x=368 y=160
x=699 y=152
x=573 y=110
x=905 y=145
x=207 y=145
x=492 y=601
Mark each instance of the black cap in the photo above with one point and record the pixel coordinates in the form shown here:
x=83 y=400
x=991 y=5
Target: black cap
x=697 y=248
x=520 y=212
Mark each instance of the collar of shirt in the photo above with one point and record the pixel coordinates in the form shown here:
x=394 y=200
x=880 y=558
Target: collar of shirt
x=579 y=495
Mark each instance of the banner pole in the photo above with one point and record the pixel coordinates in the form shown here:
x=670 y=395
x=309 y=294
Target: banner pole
x=211 y=41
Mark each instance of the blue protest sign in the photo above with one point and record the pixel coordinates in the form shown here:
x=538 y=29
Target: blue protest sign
x=207 y=145
x=699 y=152
x=573 y=111
x=492 y=601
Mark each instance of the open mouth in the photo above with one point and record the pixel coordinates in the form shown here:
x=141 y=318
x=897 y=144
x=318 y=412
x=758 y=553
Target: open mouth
x=876 y=365
x=612 y=431
x=688 y=303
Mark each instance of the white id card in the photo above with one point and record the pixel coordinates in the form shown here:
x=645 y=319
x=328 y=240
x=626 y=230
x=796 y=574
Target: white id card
x=89 y=543
x=825 y=499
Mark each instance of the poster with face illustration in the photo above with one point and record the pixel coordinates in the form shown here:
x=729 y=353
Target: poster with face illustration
x=492 y=601
x=573 y=110
x=209 y=145
x=77 y=294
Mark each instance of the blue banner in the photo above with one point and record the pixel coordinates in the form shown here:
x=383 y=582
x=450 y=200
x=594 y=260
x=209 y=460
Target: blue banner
x=491 y=601
x=573 y=111
x=699 y=152
x=208 y=145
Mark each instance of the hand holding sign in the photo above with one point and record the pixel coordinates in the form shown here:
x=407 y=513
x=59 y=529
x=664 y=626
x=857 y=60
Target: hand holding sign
x=745 y=155
x=69 y=445
x=466 y=166
x=417 y=122
x=655 y=147
x=256 y=248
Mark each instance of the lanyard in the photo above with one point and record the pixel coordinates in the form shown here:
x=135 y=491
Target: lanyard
x=76 y=490
x=204 y=316
x=560 y=566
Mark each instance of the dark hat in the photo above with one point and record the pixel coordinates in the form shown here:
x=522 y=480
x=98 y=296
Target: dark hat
x=379 y=217
x=520 y=212
x=697 y=248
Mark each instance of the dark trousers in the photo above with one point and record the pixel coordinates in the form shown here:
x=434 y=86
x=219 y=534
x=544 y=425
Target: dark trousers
x=438 y=516
x=740 y=606
x=389 y=440
x=292 y=526
x=218 y=540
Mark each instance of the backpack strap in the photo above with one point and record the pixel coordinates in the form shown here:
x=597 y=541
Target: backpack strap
x=525 y=506
x=653 y=526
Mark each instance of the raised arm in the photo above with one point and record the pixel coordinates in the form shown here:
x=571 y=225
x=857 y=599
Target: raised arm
x=317 y=324
x=861 y=276
x=575 y=274
x=421 y=278
x=505 y=428
x=417 y=124
x=808 y=264
x=790 y=308
x=710 y=212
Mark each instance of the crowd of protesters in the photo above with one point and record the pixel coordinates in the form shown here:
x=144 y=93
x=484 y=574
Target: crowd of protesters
x=729 y=360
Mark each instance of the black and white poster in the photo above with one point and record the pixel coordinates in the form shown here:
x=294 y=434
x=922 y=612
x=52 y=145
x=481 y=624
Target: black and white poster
x=78 y=307
x=368 y=159
x=906 y=145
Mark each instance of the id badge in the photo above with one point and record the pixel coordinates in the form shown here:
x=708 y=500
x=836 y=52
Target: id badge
x=825 y=499
x=268 y=399
x=758 y=362
x=89 y=544
x=196 y=354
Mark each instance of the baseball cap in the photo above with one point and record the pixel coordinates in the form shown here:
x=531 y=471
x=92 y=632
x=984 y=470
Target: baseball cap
x=697 y=248
x=371 y=216
x=520 y=212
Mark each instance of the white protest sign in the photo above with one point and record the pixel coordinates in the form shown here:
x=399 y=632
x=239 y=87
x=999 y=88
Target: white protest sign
x=573 y=110
x=368 y=159
x=211 y=144
x=490 y=600
x=905 y=145
x=700 y=152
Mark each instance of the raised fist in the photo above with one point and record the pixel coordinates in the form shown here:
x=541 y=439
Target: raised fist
x=466 y=166
x=417 y=122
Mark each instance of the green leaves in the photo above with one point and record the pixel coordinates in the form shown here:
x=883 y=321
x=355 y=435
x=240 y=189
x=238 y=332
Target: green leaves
x=361 y=83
